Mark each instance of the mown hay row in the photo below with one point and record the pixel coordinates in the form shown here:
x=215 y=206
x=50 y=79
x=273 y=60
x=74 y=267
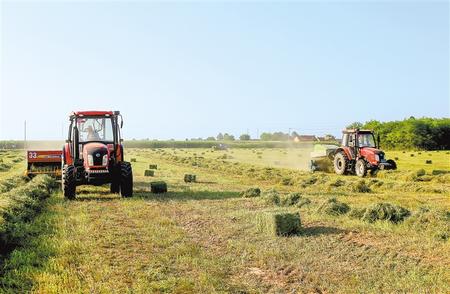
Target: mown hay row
x=19 y=206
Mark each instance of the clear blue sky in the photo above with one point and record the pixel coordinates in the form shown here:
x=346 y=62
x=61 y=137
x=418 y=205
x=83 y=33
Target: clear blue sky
x=183 y=70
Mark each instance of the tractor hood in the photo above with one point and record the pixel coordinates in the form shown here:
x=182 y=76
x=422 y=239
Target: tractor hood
x=372 y=155
x=95 y=155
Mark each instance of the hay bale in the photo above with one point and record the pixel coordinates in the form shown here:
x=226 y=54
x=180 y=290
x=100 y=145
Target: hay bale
x=278 y=223
x=271 y=197
x=158 y=187
x=420 y=172
x=251 y=192
x=189 y=178
x=152 y=166
x=133 y=160
x=334 y=207
x=149 y=173
x=385 y=211
x=396 y=158
x=428 y=161
x=412 y=155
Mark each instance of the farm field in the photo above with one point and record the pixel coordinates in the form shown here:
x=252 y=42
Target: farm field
x=205 y=236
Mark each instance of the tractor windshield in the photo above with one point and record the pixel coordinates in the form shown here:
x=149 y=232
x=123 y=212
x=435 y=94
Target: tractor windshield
x=366 y=140
x=95 y=129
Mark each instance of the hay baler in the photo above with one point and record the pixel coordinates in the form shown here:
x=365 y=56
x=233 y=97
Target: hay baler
x=44 y=162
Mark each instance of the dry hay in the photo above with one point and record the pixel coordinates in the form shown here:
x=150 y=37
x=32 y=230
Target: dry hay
x=271 y=197
x=278 y=223
x=360 y=187
x=334 y=207
x=385 y=211
x=294 y=199
x=251 y=192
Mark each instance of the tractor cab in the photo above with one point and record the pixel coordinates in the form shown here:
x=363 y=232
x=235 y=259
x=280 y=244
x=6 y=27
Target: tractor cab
x=93 y=153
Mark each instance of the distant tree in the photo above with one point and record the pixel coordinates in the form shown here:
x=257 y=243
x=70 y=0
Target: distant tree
x=210 y=139
x=355 y=125
x=244 y=137
x=228 y=137
x=219 y=137
x=266 y=137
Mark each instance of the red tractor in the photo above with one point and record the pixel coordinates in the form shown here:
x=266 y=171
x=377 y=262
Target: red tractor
x=93 y=153
x=359 y=153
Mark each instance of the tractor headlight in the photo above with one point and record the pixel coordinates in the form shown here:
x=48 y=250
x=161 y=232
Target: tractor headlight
x=377 y=157
x=90 y=160
x=105 y=159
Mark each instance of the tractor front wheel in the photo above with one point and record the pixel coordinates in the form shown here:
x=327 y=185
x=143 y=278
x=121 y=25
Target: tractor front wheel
x=126 y=179
x=69 y=182
x=361 y=168
x=340 y=163
x=392 y=163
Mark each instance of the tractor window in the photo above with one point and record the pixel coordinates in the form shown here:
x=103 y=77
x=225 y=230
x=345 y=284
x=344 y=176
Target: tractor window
x=366 y=140
x=95 y=129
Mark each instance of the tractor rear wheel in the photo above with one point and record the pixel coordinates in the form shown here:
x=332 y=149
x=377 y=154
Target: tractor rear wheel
x=340 y=163
x=69 y=182
x=361 y=168
x=126 y=179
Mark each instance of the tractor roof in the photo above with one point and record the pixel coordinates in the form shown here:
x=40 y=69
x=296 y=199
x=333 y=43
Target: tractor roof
x=350 y=131
x=94 y=113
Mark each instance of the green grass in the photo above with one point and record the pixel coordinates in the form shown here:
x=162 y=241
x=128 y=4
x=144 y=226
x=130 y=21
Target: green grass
x=203 y=237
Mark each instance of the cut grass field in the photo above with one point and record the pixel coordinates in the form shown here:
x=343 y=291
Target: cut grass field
x=204 y=237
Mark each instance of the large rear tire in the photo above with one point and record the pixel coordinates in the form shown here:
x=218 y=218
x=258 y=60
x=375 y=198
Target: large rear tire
x=361 y=168
x=340 y=163
x=69 y=182
x=126 y=179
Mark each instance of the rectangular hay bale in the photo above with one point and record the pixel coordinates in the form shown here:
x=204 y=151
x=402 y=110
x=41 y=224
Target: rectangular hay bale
x=149 y=173
x=279 y=223
x=152 y=166
x=188 y=178
x=158 y=187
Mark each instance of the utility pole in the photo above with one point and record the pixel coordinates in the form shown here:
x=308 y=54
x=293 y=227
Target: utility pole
x=25 y=135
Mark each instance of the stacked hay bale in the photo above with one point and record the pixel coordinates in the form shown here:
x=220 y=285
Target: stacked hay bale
x=278 y=223
x=190 y=178
x=158 y=187
x=149 y=173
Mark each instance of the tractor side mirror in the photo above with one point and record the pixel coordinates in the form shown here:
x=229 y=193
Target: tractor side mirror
x=378 y=140
x=121 y=123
